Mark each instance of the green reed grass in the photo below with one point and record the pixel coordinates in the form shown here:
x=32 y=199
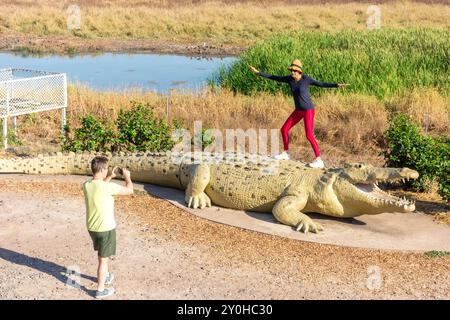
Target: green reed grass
x=376 y=62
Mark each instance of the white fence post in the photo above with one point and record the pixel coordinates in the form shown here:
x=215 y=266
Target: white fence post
x=5 y=119
x=5 y=132
x=63 y=110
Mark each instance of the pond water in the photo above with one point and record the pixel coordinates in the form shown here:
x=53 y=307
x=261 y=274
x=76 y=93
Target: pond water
x=123 y=71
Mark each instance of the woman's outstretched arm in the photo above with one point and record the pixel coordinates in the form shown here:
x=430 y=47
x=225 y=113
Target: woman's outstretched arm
x=269 y=76
x=317 y=83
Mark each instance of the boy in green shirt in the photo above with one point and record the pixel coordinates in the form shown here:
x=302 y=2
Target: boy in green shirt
x=98 y=194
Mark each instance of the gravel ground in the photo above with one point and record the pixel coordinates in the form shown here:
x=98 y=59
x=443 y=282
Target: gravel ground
x=167 y=253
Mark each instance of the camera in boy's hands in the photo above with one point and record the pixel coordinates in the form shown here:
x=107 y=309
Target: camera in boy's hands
x=117 y=171
x=121 y=171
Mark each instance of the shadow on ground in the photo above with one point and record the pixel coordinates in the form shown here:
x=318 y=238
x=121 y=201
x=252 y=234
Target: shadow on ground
x=431 y=207
x=268 y=217
x=50 y=268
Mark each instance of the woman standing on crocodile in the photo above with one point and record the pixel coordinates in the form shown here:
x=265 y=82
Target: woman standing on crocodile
x=304 y=108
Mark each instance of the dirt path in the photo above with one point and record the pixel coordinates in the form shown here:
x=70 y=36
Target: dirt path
x=167 y=253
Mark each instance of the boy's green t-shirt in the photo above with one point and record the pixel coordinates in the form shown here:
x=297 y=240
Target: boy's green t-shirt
x=98 y=195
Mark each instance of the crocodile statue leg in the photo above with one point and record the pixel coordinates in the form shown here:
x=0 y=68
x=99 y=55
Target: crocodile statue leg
x=195 y=195
x=287 y=210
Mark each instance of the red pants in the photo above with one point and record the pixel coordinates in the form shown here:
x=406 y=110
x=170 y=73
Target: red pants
x=293 y=119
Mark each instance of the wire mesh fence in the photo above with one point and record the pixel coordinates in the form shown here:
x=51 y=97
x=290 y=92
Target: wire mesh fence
x=24 y=91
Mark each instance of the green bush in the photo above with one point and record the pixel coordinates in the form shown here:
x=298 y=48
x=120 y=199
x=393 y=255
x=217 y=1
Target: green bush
x=13 y=140
x=375 y=62
x=407 y=147
x=139 y=130
x=136 y=129
x=203 y=138
x=436 y=254
x=93 y=135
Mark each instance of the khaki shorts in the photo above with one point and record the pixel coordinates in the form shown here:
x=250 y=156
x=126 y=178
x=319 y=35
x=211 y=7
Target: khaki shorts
x=104 y=242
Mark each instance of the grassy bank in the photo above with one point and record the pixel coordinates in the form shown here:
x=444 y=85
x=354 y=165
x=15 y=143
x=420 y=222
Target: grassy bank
x=205 y=21
x=347 y=127
x=383 y=63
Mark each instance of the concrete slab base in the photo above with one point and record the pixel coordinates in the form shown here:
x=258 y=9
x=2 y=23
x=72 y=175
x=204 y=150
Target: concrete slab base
x=390 y=231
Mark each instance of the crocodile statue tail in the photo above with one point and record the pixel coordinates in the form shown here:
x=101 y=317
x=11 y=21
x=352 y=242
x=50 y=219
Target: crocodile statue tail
x=156 y=168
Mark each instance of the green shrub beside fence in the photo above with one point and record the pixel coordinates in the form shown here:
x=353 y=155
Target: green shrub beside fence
x=93 y=135
x=137 y=129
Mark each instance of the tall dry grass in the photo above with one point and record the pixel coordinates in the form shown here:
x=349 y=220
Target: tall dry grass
x=181 y=3
x=347 y=127
x=427 y=107
x=355 y=123
x=205 y=21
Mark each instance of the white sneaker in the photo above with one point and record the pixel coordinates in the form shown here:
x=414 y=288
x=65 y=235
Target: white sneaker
x=282 y=156
x=318 y=163
x=105 y=293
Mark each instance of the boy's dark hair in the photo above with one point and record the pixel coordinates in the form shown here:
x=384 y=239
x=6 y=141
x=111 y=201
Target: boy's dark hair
x=99 y=163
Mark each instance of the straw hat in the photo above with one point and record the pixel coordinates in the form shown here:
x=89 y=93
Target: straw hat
x=296 y=65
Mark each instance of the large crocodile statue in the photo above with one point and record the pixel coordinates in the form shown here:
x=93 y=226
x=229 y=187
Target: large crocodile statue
x=287 y=189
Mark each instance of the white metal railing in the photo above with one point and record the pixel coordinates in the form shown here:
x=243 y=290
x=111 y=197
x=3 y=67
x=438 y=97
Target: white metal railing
x=24 y=91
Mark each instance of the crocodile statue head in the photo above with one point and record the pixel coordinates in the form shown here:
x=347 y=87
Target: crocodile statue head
x=356 y=189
